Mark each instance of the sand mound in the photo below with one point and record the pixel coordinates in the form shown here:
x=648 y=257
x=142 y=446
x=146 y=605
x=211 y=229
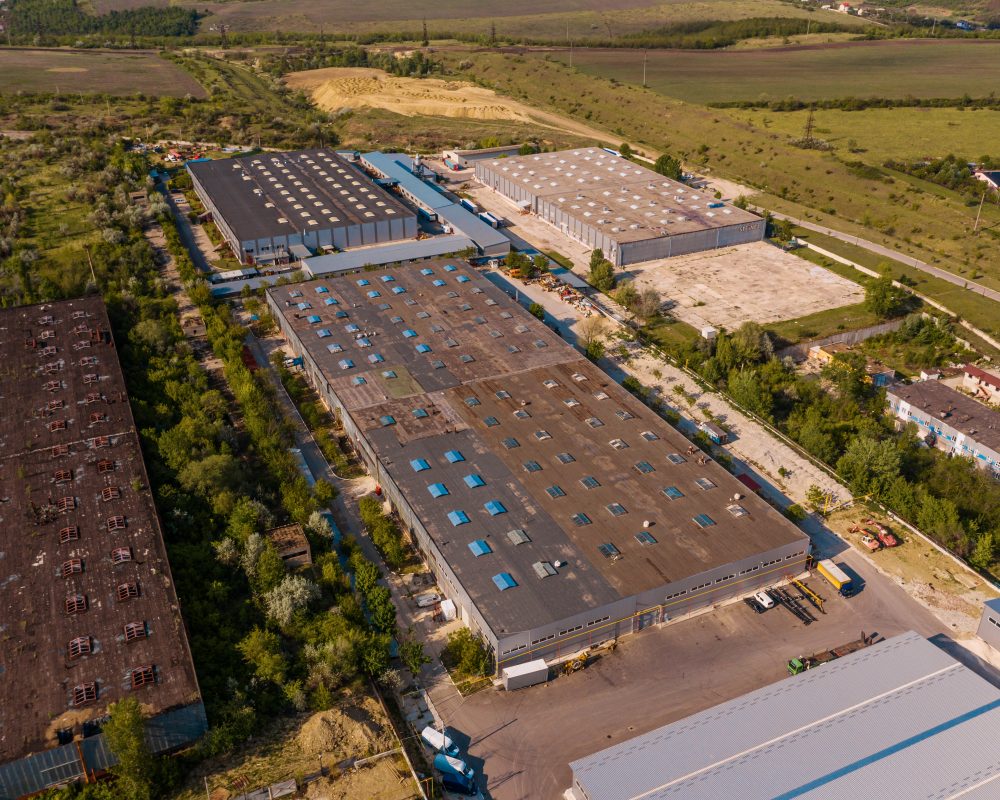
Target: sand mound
x=353 y=731
x=67 y=69
x=338 y=88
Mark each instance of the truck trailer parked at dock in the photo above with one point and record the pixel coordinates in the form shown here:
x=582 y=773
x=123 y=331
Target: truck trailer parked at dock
x=837 y=578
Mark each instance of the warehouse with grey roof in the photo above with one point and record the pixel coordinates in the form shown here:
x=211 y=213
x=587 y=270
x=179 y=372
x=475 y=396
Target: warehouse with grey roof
x=90 y=611
x=901 y=719
x=629 y=211
x=553 y=507
x=266 y=203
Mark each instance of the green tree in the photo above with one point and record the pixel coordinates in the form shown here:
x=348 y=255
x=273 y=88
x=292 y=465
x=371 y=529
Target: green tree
x=596 y=257
x=382 y=610
x=537 y=310
x=669 y=166
x=885 y=300
x=816 y=497
x=984 y=553
x=602 y=276
x=595 y=350
x=261 y=649
x=745 y=388
x=411 y=653
x=869 y=465
x=125 y=734
x=625 y=149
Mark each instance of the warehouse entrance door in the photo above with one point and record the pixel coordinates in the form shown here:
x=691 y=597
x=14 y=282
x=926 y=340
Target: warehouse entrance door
x=645 y=619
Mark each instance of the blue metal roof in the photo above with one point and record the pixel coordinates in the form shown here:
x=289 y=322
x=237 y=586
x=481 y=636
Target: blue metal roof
x=397 y=166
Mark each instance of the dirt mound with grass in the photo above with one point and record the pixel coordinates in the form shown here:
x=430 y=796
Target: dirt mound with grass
x=339 y=88
x=348 y=731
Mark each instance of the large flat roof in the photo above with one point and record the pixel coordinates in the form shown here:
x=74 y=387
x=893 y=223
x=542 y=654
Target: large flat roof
x=74 y=491
x=623 y=199
x=358 y=257
x=898 y=719
x=448 y=362
x=254 y=193
x=942 y=403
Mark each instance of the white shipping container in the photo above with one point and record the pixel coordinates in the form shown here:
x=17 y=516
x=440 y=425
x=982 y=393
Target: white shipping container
x=528 y=674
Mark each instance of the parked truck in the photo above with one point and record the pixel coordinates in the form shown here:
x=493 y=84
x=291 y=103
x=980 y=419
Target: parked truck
x=802 y=663
x=837 y=578
x=455 y=774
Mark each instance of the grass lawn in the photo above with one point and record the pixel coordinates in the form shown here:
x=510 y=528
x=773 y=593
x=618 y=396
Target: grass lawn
x=671 y=334
x=894 y=68
x=822 y=323
x=75 y=72
x=899 y=133
x=978 y=310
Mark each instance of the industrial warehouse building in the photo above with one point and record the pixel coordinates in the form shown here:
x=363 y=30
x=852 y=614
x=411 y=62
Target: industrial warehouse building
x=949 y=420
x=898 y=719
x=989 y=623
x=265 y=204
x=90 y=612
x=630 y=212
x=555 y=509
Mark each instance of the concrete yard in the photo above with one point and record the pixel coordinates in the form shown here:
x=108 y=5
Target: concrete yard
x=520 y=743
x=756 y=281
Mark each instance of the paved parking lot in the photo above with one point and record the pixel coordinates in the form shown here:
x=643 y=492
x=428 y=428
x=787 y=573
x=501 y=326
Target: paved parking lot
x=521 y=743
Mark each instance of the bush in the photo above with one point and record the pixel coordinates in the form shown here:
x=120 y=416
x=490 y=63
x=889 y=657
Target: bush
x=466 y=653
x=537 y=310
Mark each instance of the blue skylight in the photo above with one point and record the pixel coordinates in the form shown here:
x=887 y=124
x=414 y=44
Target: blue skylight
x=373 y=294
x=474 y=480
x=399 y=290
x=495 y=507
x=450 y=268
x=437 y=282
x=376 y=358
x=480 y=547
x=322 y=333
x=322 y=290
x=426 y=271
x=409 y=333
x=386 y=420
x=312 y=319
x=419 y=464
x=420 y=413
x=454 y=456
x=358 y=381
x=423 y=348
x=387 y=279
x=364 y=282
x=438 y=490
x=458 y=518
x=463 y=279
x=331 y=301
x=504 y=581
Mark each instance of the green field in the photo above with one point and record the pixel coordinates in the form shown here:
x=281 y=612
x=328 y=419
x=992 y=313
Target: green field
x=896 y=68
x=83 y=72
x=901 y=133
x=553 y=20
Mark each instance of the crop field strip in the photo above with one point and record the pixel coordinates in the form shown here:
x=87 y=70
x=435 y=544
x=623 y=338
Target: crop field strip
x=89 y=73
x=895 y=69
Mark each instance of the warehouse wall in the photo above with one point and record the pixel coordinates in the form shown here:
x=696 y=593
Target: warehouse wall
x=643 y=610
x=989 y=626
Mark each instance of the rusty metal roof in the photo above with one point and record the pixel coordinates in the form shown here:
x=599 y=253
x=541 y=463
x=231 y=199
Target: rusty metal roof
x=78 y=530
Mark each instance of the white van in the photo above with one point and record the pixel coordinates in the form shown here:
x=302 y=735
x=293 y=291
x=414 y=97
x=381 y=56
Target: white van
x=439 y=742
x=764 y=599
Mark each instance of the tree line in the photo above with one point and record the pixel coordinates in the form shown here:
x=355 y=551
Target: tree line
x=30 y=18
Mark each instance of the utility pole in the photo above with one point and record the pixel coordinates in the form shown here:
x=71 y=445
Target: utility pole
x=980 y=212
x=645 y=55
x=807 y=138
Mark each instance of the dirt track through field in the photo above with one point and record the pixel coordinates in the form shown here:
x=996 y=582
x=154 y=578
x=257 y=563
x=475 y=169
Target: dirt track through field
x=339 y=88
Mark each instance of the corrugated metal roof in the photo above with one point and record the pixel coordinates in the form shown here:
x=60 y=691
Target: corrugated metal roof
x=486 y=236
x=398 y=167
x=387 y=254
x=901 y=718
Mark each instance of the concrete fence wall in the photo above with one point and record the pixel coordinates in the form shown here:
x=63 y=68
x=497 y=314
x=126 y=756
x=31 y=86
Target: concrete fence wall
x=800 y=352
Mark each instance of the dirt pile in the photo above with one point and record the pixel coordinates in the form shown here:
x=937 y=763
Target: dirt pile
x=353 y=731
x=339 y=88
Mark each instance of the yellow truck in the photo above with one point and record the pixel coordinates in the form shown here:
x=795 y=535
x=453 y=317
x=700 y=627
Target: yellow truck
x=837 y=578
